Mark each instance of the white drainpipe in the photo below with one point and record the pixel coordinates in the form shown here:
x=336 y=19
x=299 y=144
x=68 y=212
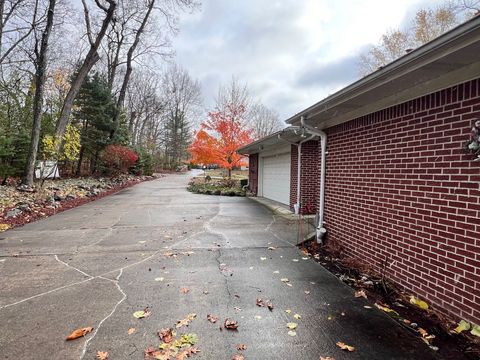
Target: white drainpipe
x=323 y=139
x=299 y=167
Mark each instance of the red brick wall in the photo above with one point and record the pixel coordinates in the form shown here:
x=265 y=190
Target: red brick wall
x=401 y=189
x=253 y=173
x=310 y=177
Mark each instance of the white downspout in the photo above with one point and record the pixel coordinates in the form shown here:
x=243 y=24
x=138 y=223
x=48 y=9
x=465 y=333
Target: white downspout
x=323 y=139
x=299 y=168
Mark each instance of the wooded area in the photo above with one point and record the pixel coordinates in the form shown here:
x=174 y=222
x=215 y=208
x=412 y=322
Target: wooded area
x=71 y=86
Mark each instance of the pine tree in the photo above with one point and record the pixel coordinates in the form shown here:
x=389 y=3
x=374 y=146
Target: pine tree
x=94 y=111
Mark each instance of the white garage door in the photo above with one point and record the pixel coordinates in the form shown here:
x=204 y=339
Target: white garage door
x=276 y=178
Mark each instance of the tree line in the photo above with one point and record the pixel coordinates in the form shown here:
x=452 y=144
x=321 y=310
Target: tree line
x=76 y=77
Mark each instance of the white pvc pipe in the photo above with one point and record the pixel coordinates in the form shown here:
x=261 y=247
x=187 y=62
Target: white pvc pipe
x=321 y=208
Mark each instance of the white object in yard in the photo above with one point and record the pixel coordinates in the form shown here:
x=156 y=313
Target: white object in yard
x=276 y=178
x=47 y=170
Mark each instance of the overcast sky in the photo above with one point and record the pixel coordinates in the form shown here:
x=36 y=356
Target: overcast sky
x=291 y=53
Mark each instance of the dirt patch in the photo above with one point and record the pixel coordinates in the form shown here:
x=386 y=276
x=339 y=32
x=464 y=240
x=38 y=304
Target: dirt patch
x=431 y=327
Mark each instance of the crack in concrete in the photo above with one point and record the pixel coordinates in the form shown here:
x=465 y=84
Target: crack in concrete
x=124 y=297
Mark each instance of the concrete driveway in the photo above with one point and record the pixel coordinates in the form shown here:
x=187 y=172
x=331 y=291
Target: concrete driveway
x=97 y=264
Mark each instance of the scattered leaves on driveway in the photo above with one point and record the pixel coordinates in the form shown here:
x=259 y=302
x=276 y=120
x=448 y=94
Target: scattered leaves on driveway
x=212 y=318
x=292 y=325
x=142 y=314
x=102 y=355
x=78 y=333
x=166 y=335
x=230 y=324
x=131 y=331
x=345 y=347
x=186 y=321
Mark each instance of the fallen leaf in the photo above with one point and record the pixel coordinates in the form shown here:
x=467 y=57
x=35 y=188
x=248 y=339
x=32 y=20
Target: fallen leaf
x=296 y=316
x=159 y=279
x=205 y=292
x=312 y=282
x=423 y=332
x=237 y=309
x=142 y=314
x=260 y=302
x=386 y=309
x=251 y=267
x=475 y=330
x=131 y=331
x=263 y=258
x=326 y=358
x=212 y=318
x=305 y=258
x=288 y=311
x=288 y=284
x=230 y=324
x=292 y=333
x=285 y=280
x=79 y=333
x=462 y=326
x=4 y=227
x=271 y=248
x=420 y=303
x=241 y=347
x=238 y=357
x=184 y=290
x=270 y=306
x=189 y=339
x=166 y=335
x=152 y=353
x=276 y=272
x=367 y=307
x=186 y=321
x=295 y=260
x=307 y=292
x=258 y=317
x=142 y=242
x=360 y=293
x=344 y=346
x=292 y=325
x=102 y=355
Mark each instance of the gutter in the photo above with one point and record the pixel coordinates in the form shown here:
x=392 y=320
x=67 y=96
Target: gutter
x=320 y=229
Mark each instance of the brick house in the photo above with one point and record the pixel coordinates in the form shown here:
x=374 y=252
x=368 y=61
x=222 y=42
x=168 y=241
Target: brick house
x=395 y=185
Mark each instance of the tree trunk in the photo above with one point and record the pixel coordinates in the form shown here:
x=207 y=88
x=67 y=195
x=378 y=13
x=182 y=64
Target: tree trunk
x=90 y=59
x=128 y=73
x=41 y=67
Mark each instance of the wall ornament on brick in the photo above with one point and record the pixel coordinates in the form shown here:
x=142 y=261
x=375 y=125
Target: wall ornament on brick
x=473 y=145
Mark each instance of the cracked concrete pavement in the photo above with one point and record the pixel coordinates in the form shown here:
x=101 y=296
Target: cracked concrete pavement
x=97 y=264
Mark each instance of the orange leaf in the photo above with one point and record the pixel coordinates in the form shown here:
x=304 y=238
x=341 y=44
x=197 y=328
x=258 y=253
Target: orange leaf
x=344 y=346
x=79 y=333
x=102 y=355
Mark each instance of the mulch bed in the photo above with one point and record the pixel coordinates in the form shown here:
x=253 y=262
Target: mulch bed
x=378 y=290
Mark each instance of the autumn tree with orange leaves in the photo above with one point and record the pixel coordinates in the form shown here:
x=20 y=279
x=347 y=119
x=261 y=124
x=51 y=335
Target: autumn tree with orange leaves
x=220 y=137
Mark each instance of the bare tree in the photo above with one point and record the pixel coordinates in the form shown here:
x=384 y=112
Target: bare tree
x=88 y=62
x=183 y=103
x=234 y=100
x=40 y=76
x=263 y=121
x=427 y=25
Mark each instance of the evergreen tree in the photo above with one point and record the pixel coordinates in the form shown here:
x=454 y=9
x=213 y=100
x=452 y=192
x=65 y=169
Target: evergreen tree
x=94 y=112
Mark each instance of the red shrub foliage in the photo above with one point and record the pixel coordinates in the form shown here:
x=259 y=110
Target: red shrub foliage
x=118 y=159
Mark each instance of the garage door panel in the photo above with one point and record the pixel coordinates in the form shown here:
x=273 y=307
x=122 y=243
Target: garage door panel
x=276 y=178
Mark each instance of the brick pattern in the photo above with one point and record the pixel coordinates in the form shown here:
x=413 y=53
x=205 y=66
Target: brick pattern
x=400 y=189
x=309 y=177
x=253 y=173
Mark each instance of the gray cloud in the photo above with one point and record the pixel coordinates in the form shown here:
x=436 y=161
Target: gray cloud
x=329 y=75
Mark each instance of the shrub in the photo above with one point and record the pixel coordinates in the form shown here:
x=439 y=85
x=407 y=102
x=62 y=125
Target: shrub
x=118 y=159
x=144 y=165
